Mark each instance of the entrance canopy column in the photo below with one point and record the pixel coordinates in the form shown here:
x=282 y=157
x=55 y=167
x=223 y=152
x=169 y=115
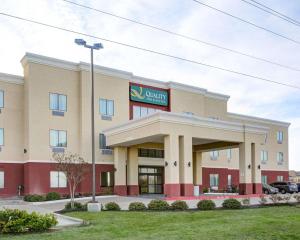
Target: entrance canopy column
x=132 y=171
x=172 y=185
x=245 y=161
x=120 y=156
x=186 y=165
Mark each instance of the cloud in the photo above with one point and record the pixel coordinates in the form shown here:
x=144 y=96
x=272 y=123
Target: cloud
x=248 y=96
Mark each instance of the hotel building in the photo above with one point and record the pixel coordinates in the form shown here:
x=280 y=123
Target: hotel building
x=151 y=136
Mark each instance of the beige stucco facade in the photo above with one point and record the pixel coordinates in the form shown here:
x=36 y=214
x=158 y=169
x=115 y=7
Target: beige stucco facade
x=194 y=123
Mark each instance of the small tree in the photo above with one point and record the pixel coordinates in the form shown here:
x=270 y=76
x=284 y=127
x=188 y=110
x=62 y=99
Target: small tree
x=75 y=169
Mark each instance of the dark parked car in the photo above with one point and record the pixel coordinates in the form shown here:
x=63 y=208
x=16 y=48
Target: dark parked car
x=268 y=189
x=298 y=184
x=285 y=187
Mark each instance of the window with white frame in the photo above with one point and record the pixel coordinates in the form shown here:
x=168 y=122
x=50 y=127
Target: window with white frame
x=214 y=155
x=102 y=141
x=229 y=154
x=138 y=111
x=58 y=102
x=106 y=107
x=279 y=178
x=264 y=179
x=229 y=180
x=1 y=179
x=263 y=156
x=1 y=99
x=58 y=179
x=279 y=137
x=1 y=136
x=58 y=138
x=214 y=180
x=280 y=158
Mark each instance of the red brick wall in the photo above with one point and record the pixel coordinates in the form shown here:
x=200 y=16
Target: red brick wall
x=272 y=175
x=13 y=177
x=223 y=177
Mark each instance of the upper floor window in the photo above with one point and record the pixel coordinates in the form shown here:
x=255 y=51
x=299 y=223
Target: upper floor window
x=229 y=154
x=151 y=153
x=102 y=141
x=58 y=102
x=1 y=99
x=279 y=136
x=214 y=155
x=139 y=111
x=264 y=156
x=1 y=179
x=1 y=136
x=58 y=179
x=58 y=138
x=106 y=107
x=280 y=158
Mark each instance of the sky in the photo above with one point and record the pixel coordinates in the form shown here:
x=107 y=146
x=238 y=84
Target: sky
x=248 y=96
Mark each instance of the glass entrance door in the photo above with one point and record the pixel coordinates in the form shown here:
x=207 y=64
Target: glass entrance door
x=151 y=180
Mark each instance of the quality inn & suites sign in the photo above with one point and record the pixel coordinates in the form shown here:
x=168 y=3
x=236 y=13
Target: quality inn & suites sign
x=149 y=95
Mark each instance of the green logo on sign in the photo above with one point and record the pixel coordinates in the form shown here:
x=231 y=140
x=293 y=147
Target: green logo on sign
x=149 y=95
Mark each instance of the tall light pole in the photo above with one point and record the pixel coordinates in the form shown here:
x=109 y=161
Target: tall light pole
x=93 y=47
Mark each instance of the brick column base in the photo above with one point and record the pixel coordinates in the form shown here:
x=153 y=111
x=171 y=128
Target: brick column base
x=172 y=190
x=245 y=188
x=257 y=188
x=133 y=190
x=187 y=189
x=120 y=190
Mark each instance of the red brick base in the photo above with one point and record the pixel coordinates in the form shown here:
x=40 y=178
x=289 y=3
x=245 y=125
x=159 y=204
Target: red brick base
x=272 y=175
x=133 y=190
x=172 y=190
x=187 y=189
x=245 y=188
x=257 y=188
x=120 y=190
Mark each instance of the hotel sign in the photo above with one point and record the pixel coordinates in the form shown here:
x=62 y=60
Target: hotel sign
x=149 y=95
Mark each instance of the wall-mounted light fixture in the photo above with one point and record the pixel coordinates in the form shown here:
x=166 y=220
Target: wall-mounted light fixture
x=175 y=163
x=249 y=166
x=166 y=164
x=25 y=150
x=189 y=164
x=258 y=166
x=115 y=169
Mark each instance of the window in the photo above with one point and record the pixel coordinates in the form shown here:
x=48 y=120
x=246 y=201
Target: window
x=58 y=102
x=58 y=138
x=58 y=179
x=229 y=154
x=264 y=179
x=1 y=136
x=107 y=179
x=1 y=99
x=279 y=137
x=150 y=153
x=264 y=156
x=280 y=158
x=214 y=180
x=1 y=179
x=229 y=180
x=279 y=178
x=214 y=155
x=106 y=107
x=138 y=111
x=102 y=141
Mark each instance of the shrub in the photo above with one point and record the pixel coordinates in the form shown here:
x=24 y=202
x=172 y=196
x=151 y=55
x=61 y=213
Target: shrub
x=17 y=221
x=158 y=205
x=112 y=206
x=297 y=197
x=179 y=205
x=287 y=198
x=77 y=206
x=263 y=200
x=205 y=190
x=34 y=198
x=231 y=203
x=53 y=196
x=276 y=198
x=137 y=206
x=206 y=205
x=246 y=201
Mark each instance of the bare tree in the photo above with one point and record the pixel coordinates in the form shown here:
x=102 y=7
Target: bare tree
x=75 y=169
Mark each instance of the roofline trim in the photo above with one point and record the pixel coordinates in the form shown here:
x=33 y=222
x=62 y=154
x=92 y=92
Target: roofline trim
x=10 y=78
x=82 y=66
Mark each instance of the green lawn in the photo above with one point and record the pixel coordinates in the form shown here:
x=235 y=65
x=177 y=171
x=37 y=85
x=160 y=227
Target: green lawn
x=261 y=223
